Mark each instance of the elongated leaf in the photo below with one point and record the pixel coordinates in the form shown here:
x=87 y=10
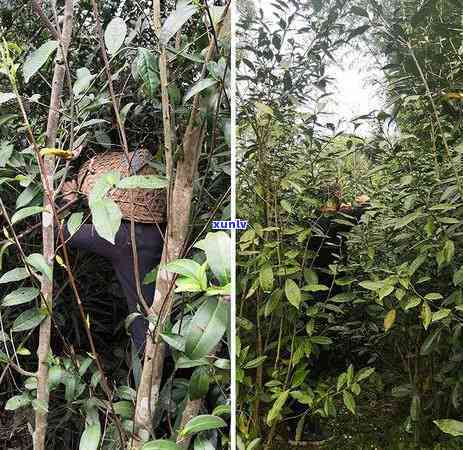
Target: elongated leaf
x=176 y=20
x=17 y=401
x=107 y=218
x=266 y=278
x=274 y=412
x=218 y=252
x=389 y=319
x=20 y=296
x=198 y=87
x=37 y=59
x=349 y=401
x=430 y=342
x=199 y=383
x=124 y=408
x=115 y=34
x=28 y=319
x=207 y=328
x=25 y=212
x=407 y=219
x=74 y=222
x=161 y=444
x=18 y=274
x=6 y=150
x=450 y=426
x=146 y=69
x=143 y=182
x=104 y=183
x=185 y=267
x=202 y=423
x=37 y=261
x=90 y=438
x=293 y=293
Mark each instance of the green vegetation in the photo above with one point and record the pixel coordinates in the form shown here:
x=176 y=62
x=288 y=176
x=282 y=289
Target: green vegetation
x=136 y=74
x=386 y=311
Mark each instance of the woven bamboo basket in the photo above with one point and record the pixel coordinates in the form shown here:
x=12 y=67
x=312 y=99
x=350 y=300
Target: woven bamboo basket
x=148 y=206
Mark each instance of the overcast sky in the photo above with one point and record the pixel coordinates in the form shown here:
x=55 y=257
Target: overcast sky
x=355 y=88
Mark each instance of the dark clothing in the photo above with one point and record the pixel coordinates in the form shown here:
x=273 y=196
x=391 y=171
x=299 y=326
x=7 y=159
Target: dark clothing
x=149 y=243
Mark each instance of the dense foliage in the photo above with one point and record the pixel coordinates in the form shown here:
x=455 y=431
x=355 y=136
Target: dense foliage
x=197 y=365
x=382 y=321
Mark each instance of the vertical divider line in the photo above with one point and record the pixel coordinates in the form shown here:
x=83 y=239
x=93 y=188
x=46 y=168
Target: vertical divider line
x=233 y=231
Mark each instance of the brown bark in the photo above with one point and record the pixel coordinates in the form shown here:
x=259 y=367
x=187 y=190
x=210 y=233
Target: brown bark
x=47 y=229
x=176 y=235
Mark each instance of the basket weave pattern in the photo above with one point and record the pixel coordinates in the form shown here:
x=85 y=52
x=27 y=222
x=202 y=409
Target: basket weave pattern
x=148 y=206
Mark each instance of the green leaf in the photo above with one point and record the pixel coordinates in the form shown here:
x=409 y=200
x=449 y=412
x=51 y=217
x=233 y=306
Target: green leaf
x=185 y=267
x=161 y=444
x=430 y=342
x=293 y=293
x=321 y=340
x=202 y=423
x=6 y=150
x=124 y=408
x=18 y=274
x=146 y=68
x=107 y=218
x=433 y=296
x=115 y=34
x=74 y=222
x=372 y=285
x=28 y=320
x=349 y=401
x=255 y=362
x=176 y=20
x=18 y=401
x=84 y=78
x=25 y=212
x=143 y=182
x=38 y=262
x=364 y=373
x=207 y=328
x=412 y=302
x=404 y=221
x=222 y=410
x=450 y=426
x=37 y=59
x=198 y=87
x=254 y=445
x=90 y=438
x=266 y=278
x=103 y=184
x=441 y=314
x=217 y=247
x=174 y=340
x=20 y=296
x=426 y=315
x=199 y=383
x=274 y=412
x=315 y=288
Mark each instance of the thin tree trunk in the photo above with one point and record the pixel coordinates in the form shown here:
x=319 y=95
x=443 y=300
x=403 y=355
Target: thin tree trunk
x=48 y=233
x=176 y=235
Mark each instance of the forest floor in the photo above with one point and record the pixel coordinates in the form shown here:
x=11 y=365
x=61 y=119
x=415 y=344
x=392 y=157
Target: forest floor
x=378 y=425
